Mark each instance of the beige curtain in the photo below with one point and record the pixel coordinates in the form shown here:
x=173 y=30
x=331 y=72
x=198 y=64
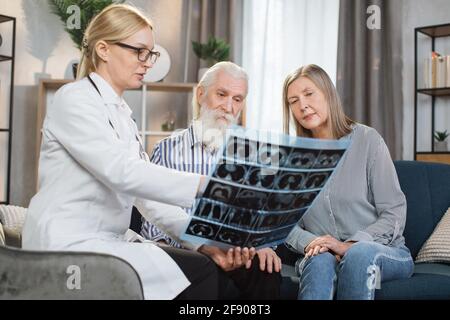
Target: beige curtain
x=369 y=68
x=219 y=18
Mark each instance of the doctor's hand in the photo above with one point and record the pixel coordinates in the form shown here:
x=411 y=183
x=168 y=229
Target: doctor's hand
x=231 y=259
x=268 y=260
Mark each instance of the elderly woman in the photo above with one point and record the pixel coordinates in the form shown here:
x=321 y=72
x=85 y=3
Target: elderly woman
x=93 y=169
x=351 y=237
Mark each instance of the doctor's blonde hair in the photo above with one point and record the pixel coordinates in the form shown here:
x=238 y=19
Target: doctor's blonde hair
x=113 y=24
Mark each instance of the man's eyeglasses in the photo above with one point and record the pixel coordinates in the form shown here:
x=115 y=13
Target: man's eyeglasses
x=143 y=53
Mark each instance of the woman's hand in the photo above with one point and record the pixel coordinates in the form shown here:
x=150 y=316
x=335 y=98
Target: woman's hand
x=268 y=260
x=231 y=259
x=328 y=243
x=314 y=250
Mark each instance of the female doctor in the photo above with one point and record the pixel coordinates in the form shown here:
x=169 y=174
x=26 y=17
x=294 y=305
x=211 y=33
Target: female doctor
x=93 y=169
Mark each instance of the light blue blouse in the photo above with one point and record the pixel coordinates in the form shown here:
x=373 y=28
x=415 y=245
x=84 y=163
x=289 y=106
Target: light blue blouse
x=361 y=201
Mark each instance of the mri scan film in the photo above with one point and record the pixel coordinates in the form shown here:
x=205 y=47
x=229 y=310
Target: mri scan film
x=261 y=186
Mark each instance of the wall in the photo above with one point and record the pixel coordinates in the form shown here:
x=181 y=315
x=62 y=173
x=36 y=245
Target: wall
x=418 y=13
x=44 y=49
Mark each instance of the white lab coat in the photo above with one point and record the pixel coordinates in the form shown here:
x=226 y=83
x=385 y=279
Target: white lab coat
x=90 y=176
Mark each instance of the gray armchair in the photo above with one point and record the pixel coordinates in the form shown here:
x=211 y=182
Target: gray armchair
x=66 y=275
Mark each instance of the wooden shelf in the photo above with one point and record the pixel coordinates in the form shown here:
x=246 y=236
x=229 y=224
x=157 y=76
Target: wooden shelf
x=4 y=18
x=439 y=157
x=442 y=30
x=435 y=91
x=433 y=32
x=5 y=58
x=170 y=87
x=153 y=86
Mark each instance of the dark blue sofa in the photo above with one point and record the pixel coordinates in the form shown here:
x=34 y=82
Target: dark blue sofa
x=427 y=190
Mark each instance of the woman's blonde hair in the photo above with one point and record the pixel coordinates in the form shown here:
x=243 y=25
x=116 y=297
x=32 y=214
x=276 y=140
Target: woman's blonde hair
x=340 y=124
x=113 y=24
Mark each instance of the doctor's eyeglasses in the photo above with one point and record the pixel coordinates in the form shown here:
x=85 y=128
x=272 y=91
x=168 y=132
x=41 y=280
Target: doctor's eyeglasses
x=144 y=54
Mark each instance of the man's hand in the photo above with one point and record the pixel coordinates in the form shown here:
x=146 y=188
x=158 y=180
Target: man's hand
x=269 y=260
x=232 y=259
x=327 y=243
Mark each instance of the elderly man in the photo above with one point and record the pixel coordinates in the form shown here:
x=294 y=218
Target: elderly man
x=218 y=102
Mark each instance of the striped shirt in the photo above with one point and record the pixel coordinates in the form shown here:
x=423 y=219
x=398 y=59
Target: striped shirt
x=182 y=151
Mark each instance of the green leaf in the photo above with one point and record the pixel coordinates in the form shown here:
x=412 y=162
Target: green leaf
x=88 y=9
x=441 y=135
x=214 y=50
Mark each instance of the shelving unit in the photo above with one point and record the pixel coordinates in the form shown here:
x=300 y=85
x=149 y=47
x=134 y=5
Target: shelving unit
x=47 y=85
x=434 y=32
x=6 y=176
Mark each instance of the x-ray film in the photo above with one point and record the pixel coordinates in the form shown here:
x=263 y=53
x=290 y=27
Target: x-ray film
x=261 y=186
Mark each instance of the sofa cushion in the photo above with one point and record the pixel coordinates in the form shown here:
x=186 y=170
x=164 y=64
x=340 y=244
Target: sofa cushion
x=433 y=283
x=429 y=281
x=12 y=217
x=434 y=268
x=437 y=247
x=425 y=186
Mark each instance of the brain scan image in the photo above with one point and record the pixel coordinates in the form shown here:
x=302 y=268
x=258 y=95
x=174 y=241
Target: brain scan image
x=231 y=172
x=328 y=159
x=257 y=239
x=261 y=178
x=220 y=192
x=260 y=188
x=294 y=217
x=272 y=155
x=290 y=180
x=204 y=209
x=316 y=180
x=213 y=211
x=242 y=149
x=280 y=201
x=304 y=199
x=251 y=199
x=278 y=235
x=202 y=229
x=302 y=159
x=242 y=218
x=271 y=221
x=231 y=236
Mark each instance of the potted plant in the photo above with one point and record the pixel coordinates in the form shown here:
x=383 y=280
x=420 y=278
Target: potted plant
x=440 y=144
x=213 y=51
x=88 y=9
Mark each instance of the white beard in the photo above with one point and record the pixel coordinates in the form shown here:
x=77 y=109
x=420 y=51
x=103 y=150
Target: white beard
x=210 y=130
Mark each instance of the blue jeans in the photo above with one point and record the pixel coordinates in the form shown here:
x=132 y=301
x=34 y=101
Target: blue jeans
x=361 y=270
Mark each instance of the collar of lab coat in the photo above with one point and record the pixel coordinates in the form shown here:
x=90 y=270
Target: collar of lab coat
x=107 y=92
